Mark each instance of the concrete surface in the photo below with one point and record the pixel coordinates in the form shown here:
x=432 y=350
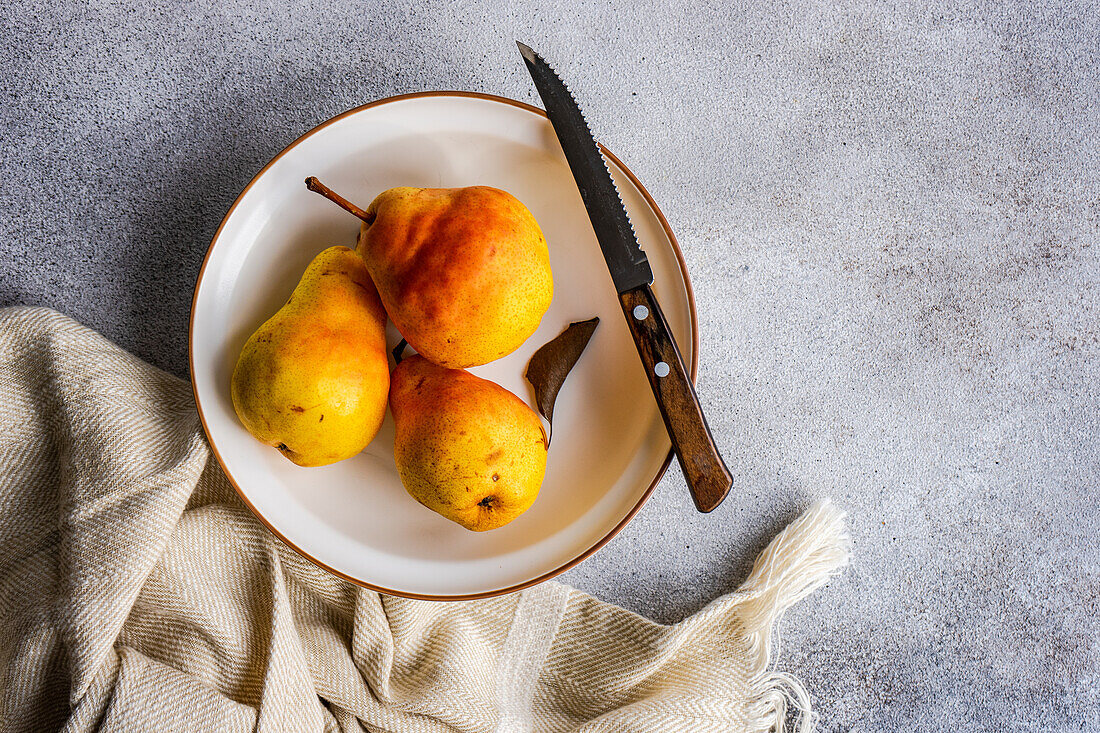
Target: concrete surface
x=890 y=217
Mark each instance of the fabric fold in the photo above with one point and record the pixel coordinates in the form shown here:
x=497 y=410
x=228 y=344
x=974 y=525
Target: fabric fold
x=138 y=592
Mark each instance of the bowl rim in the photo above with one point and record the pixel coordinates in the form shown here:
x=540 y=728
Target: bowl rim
x=585 y=554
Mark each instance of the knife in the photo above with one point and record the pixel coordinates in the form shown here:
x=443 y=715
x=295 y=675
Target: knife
x=707 y=477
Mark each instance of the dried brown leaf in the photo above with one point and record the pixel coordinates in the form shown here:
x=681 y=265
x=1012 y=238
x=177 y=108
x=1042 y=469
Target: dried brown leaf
x=551 y=364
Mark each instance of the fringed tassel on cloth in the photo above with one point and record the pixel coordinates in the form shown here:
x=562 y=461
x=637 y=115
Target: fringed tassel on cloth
x=797 y=562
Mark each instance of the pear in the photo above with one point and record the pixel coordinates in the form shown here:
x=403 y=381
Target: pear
x=314 y=378
x=464 y=273
x=465 y=447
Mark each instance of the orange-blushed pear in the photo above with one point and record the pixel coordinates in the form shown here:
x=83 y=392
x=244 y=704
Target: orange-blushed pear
x=464 y=446
x=464 y=273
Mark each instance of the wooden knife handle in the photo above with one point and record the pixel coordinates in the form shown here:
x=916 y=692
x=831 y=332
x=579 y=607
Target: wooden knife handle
x=708 y=479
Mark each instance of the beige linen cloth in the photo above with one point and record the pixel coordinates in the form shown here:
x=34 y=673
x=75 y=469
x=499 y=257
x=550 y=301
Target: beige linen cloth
x=137 y=593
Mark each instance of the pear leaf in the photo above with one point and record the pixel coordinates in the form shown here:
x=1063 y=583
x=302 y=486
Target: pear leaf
x=551 y=364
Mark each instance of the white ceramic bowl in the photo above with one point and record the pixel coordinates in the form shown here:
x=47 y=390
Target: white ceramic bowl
x=354 y=518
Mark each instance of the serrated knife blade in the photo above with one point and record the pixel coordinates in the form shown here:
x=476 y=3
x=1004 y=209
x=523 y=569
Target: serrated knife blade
x=707 y=477
x=625 y=258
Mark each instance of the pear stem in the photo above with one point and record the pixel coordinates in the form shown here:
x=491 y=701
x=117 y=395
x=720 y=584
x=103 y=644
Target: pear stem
x=317 y=187
x=399 y=351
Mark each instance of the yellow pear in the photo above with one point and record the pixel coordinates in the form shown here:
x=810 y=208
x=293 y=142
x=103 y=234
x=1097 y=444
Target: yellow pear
x=313 y=380
x=465 y=447
x=464 y=273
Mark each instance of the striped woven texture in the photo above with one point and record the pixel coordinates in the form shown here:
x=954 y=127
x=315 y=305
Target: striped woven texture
x=137 y=593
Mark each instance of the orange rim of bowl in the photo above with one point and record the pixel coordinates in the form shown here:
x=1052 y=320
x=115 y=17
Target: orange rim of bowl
x=422 y=596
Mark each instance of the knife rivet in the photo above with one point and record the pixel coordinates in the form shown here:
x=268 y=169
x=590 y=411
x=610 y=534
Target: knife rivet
x=660 y=369
x=641 y=312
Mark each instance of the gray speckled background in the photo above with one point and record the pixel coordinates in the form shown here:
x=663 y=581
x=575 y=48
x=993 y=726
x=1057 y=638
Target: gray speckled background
x=890 y=217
